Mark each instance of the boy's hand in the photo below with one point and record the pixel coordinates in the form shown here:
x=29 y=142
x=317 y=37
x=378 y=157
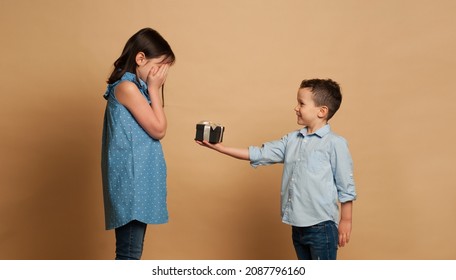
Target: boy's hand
x=205 y=143
x=238 y=153
x=344 y=232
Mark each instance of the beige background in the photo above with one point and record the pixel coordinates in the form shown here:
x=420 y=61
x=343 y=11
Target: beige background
x=239 y=63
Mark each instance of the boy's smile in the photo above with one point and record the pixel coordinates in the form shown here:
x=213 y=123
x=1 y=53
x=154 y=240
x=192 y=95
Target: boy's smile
x=308 y=114
x=306 y=111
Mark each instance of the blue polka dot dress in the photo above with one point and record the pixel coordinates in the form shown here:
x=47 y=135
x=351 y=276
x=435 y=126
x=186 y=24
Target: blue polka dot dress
x=133 y=166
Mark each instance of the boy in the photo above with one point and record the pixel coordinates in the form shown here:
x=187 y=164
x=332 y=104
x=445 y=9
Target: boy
x=317 y=173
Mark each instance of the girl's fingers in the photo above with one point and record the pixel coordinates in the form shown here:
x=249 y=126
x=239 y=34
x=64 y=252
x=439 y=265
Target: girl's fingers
x=157 y=74
x=159 y=71
x=153 y=71
x=164 y=70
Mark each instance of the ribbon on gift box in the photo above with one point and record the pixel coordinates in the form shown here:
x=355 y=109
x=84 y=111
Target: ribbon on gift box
x=207 y=129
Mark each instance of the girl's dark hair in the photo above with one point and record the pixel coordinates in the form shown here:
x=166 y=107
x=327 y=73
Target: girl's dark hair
x=325 y=92
x=146 y=40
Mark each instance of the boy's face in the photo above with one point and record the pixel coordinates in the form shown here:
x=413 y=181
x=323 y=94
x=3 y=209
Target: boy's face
x=308 y=114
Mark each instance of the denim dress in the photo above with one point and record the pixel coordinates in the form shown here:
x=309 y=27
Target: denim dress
x=133 y=165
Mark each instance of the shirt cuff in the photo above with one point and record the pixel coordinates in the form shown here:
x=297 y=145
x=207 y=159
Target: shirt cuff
x=255 y=155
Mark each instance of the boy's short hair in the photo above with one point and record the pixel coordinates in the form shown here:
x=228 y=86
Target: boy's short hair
x=325 y=92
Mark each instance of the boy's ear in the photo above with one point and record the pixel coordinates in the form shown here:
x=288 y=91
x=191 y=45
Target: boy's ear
x=140 y=58
x=323 y=112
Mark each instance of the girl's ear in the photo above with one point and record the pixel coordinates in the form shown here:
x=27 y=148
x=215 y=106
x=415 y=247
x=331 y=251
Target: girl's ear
x=323 y=112
x=140 y=58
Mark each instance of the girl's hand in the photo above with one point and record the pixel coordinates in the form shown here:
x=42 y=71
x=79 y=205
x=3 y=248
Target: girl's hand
x=157 y=76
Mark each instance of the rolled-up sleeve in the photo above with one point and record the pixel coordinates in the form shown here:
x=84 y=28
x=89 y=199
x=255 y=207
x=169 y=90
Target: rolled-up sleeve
x=342 y=166
x=269 y=153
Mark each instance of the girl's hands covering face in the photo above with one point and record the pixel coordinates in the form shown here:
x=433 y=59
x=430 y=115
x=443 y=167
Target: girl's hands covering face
x=157 y=76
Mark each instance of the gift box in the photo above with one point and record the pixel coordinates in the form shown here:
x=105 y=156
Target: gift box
x=209 y=131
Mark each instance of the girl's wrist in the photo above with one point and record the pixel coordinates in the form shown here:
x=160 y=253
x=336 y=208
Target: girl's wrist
x=153 y=90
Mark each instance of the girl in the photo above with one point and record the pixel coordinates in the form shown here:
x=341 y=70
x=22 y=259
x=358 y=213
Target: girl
x=133 y=165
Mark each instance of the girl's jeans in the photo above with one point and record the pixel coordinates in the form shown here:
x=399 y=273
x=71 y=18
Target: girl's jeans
x=130 y=240
x=317 y=242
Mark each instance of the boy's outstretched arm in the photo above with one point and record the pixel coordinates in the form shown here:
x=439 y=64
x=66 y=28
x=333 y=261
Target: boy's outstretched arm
x=238 y=153
x=345 y=224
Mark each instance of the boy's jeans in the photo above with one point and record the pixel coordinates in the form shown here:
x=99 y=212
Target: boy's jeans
x=130 y=240
x=317 y=242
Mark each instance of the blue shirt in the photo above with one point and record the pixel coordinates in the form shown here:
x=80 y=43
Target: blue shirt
x=317 y=174
x=133 y=165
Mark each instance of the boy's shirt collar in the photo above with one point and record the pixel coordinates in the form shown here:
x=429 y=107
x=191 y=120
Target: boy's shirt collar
x=320 y=132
